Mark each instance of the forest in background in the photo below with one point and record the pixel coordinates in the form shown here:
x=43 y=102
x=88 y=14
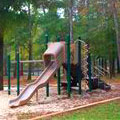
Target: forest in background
x=24 y=24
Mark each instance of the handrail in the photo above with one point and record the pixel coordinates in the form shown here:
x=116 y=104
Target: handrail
x=103 y=69
x=28 y=61
x=101 y=72
x=80 y=41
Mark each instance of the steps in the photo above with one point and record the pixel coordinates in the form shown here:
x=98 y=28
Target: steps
x=96 y=83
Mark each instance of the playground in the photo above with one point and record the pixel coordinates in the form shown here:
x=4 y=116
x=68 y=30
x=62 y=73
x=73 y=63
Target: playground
x=62 y=93
x=59 y=59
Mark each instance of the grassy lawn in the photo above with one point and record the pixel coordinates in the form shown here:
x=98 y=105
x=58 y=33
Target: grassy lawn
x=109 y=111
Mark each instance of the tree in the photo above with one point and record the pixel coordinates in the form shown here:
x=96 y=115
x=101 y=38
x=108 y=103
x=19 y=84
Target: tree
x=9 y=12
x=30 y=42
x=113 y=4
x=71 y=19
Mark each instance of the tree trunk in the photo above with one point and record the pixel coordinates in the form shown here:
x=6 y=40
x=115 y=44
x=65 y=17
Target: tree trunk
x=21 y=69
x=21 y=64
x=71 y=19
x=15 y=67
x=99 y=62
x=4 y=62
x=1 y=60
x=94 y=64
x=105 y=65
x=88 y=19
x=102 y=63
x=112 y=67
x=118 y=66
x=115 y=16
x=30 y=65
x=30 y=43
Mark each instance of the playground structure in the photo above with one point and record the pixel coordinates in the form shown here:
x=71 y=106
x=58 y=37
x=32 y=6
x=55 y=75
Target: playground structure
x=77 y=64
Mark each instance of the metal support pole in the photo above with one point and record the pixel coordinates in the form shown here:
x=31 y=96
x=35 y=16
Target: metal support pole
x=68 y=67
x=78 y=72
x=9 y=74
x=89 y=72
x=47 y=86
x=58 y=74
x=18 y=75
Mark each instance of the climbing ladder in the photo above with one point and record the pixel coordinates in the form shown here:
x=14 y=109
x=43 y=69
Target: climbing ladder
x=84 y=60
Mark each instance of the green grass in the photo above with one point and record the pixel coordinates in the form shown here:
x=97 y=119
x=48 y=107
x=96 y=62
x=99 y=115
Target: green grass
x=109 y=111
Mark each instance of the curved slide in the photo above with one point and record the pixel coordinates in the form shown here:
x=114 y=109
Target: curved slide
x=40 y=82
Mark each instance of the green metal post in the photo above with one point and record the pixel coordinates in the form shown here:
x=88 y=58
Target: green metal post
x=9 y=75
x=89 y=72
x=58 y=74
x=79 y=71
x=68 y=67
x=47 y=86
x=18 y=75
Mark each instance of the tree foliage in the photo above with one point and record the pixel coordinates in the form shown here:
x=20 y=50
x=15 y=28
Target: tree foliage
x=93 y=20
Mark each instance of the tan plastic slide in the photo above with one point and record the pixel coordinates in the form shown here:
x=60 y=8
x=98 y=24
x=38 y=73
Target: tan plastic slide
x=54 y=52
x=40 y=82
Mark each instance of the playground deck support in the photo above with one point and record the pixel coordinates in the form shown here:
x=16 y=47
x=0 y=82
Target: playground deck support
x=47 y=86
x=89 y=72
x=18 y=75
x=68 y=66
x=58 y=74
x=79 y=76
x=9 y=74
